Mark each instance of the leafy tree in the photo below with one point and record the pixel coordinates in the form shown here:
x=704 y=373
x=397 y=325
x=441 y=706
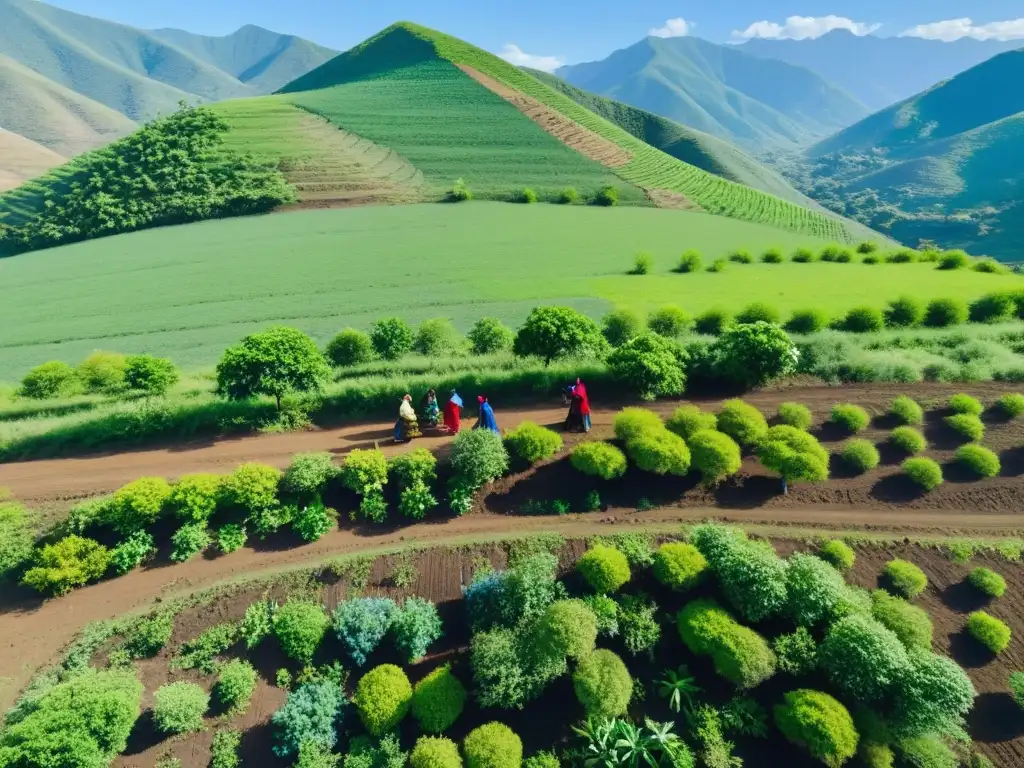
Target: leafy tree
x=817 y=722
x=554 y=332
x=251 y=487
x=48 y=380
x=604 y=569
x=621 y=325
x=928 y=751
x=273 y=362
x=669 y=321
x=310 y=715
x=300 y=627
x=651 y=365
x=71 y=562
x=862 y=658
x=438 y=700
x=415 y=626
x=752 y=577
x=361 y=624
x=350 y=347
x=567 y=628
x=179 y=707
x=194 y=497
x=152 y=375
x=494 y=745
x=102 y=373
x=932 y=696
x=489 y=336
x=742 y=422
x=516 y=596
x=436 y=338
x=739 y=654
x=794 y=454
x=756 y=353
x=602 y=684
x=383 y=698
x=391 y=338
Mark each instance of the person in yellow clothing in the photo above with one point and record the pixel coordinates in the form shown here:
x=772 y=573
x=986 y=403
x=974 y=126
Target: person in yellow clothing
x=407 y=427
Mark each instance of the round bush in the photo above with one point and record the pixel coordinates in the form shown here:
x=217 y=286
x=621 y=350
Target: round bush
x=933 y=696
x=48 y=380
x=179 y=707
x=852 y=418
x=489 y=336
x=688 y=419
x=862 y=658
x=493 y=746
x=967 y=425
x=650 y=365
x=924 y=472
x=742 y=422
x=642 y=264
x=740 y=655
x=631 y=423
x=989 y=631
x=71 y=562
x=813 y=589
x=863 y=320
x=837 y=553
x=807 y=321
x=568 y=628
x=905 y=578
x=102 y=373
x=754 y=354
x=741 y=256
x=905 y=312
x=804 y=256
x=860 y=455
x=139 y=504
x=554 y=332
x=670 y=322
x=1011 y=405
x=350 y=347
x=963 y=403
x=713 y=322
x=993 y=308
x=438 y=700
x=478 y=457
x=715 y=455
x=236 y=683
x=194 y=497
x=273 y=362
x=818 y=723
x=718 y=265
x=391 y=338
x=309 y=473
x=661 y=453
x=602 y=684
x=758 y=312
x=679 y=566
x=908 y=440
x=795 y=415
x=435 y=752
x=909 y=623
x=796 y=455
x=621 y=325
x=942 y=313
x=690 y=261
x=383 y=698
x=531 y=442
x=149 y=375
x=906 y=410
x=772 y=256
x=979 y=460
x=598 y=459
x=605 y=569
x=252 y=487
x=956 y=259
x=987 y=581
x=299 y=628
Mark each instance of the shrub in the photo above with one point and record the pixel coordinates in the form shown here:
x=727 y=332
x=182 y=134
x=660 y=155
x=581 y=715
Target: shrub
x=478 y=456
x=987 y=581
x=299 y=627
x=314 y=520
x=670 y=322
x=863 y=320
x=602 y=684
x=638 y=623
x=795 y=415
x=231 y=537
x=350 y=347
x=188 y=541
x=942 y=313
x=604 y=569
x=273 y=363
x=690 y=261
x=568 y=196
x=364 y=470
x=530 y=442
x=905 y=312
x=954 y=260
x=224 y=749
x=383 y=698
x=979 y=460
x=309 y=716
x=236 y=683
x=493 y=745
x=851 y=418
x=194 y=497
x=813 y=588
x=906 y=578
x=258 y=622
x=739 y=654
x=967 y=425
x=308 y=474
x=598 y=459
x=631 y=423
x=179 y=707
x=435 y=752
x=923 y=472
x=908 y=440
x=797 y=653
x=102 y=373
x=650 y=365
x=906 y=410
x=804 y=256
x=909 y=623
x=567 y=629
x=862 y=658
x=361 y=624
x=818 y=723
x=963 y=403
x=742 y=422
x=153 y=376
x=48 y=380
x=391 y=338
x=932 y=696
x=131 y=552
x=607 y=197
x=741 y=257
x=555 y=332
x=679 y=566
x=989 y=631
x=503 y=677
x=1017 y=687
x=758 y=312
x=715 y=455
x=139 y=503
x=807 y=321
x=992 y=308
x=1011 y=405
x=928 y=751
x=718 y=265
x=796 y=455
x=548 y=760
x=620 y=326
x=660 y=453
x=519 y=594
x=527 y=195
x=71 y=562
x=438 y=700
x=837 y=553
x=489 y=336
x=689 y=419
x=712 y=322
x=861 y=455
x=415 y=626
x=252 y=487
x=872 y=258
x=772 y=256
x=755 y=354
x=460 y=192
x=437 y=337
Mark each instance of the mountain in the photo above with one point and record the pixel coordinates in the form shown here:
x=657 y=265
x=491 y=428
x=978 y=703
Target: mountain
x=880 y=71
x=946 y=164
x=22 y=159
x=721 y=90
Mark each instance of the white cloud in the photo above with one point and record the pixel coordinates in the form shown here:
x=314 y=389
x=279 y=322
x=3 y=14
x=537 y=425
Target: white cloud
x=678 y=27
x=513 y=54
x=804 y=28
x=954 y=29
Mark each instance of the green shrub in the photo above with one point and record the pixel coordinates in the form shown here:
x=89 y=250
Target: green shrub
x=863 y=320
x=741 y=256
x=954 y=260
x=478 y=457
x=650 y=365
x=806 y=321
x=715 y=455
x=861 y=455
x=932 y=696
x=71 y=562
x=942 y=313
x=814 y=590
x=631 y=423
x=795 y=415
x=179 y=707
x=620 y=326
x=415 y=626
x=309 y=716
x=872 y=258
x=862 y=658
x=274 y=362
x=690 y=261
x=438 y=700
x=963 y=403
x=804 y=256
x=679 y=566
x=150 y=375
x=364 y=470
x=188 y=541
x=642 y=264
x=742 y=422
x=350 y=347
x=755 y=354
x=231 y=537
x=435 y=752
x=852 y=418
x=437 y=337
x=489 y=336
x=758 y=312
x=638 y=623
x=224 y=749
x=712 y=322
x=568 y=629
x=838 y=554
x=556 y=332
x=772 y=256
x=908 y=440
x=797 y=653
x=669 y=321
x=299 y=627
x=902 y=256
x=923 y=472
x=979 y=460
x=661 y=453
x=194 y=497
x=1017 y=687
x=391 y=338
x=689 y=419
x=598 y=459
x=1011 y=405
x=139 y=504
x=967 y=425
x=987 y=581
x=909 y=623
x=568 y=196
x=602 y=684
x=818 y=723
x=493 y=745
x=252 y=487
x=49 y=380
x=460 y=192
x=906 y=410
x=605 y=569
x=308 y=474
x=383 y=698
x=796 y=455
x=548 y=760
x=905 y=312
x=992 y=308
x=905 y=577
x=258 y=622
x=989 y=631
x=102 y=373
x=314 y=520
x=361 y=624
x=527 y=195
x=530 y=442
x=131 y=552
x=739 y=654
x=718 y=265
x=236 y=683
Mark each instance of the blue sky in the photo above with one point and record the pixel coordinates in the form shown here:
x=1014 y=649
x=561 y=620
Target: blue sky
x=570 y=30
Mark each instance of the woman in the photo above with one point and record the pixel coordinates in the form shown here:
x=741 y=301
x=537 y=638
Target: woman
x=486 y=420
x=453 y=413
x=406 y=428
x=579 y=393
x=573 y=420
x=429 y=408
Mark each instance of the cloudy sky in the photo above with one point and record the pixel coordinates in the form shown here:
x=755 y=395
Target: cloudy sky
x=544 y=34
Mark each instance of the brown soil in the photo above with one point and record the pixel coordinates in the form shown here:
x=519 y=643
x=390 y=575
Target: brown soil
x=570 y=133
x=666 y=198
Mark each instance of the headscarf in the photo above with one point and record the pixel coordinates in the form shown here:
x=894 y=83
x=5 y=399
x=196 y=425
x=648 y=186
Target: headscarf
x=405 y=410
x=455 y=398
x=581 y=392
x=481 y=399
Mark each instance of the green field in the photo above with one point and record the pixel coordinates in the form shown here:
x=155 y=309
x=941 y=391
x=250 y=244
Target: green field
x=188 y=292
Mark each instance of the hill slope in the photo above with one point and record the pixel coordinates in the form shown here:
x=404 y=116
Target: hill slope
x=721 y=90
x=880 y=71
x=22 y=159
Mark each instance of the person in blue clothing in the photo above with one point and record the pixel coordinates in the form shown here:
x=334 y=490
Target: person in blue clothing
x=486 y=420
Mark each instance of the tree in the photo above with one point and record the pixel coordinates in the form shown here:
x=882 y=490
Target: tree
x=493 y=745
x=391 y=338
x=862 y=658
x=602 y=684
x=438 y=700
x=814 y=589
x=152 y=375
x=756 y=353
x=274 y=362
x=300 y=627
x=48 y=380
x=651 y=365
x=350 y=347
x=436 y=338
x=932 y=696
x=670 y=322
x=553 y=332
x=489 y=336
x=715 y=455
x=309 y=715
x=567 y=628
x=621 y=325
x=794 y=454
x=383 y=698
x=605 y=569
x=415 y=626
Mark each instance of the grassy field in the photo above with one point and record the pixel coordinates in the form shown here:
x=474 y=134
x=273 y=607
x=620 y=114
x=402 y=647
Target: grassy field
x=189 y=292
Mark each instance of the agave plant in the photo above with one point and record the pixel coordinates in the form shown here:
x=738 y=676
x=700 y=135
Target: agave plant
x=677 y=685
x=616 y=742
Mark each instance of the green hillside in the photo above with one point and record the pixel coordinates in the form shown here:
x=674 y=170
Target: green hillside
x=720 y=90
x=22 y=159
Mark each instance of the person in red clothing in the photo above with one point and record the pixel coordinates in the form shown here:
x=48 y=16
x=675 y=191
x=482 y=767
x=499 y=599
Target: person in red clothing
x=453 y=413
x=578 y=419
x=580 y=393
